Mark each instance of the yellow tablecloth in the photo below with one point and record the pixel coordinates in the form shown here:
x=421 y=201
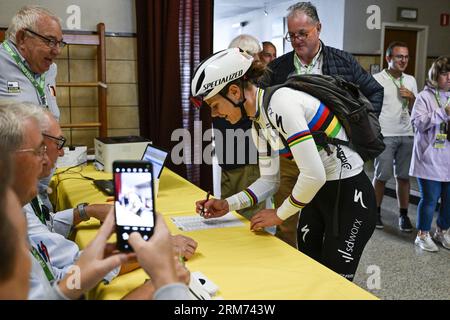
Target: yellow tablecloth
x=245 y=265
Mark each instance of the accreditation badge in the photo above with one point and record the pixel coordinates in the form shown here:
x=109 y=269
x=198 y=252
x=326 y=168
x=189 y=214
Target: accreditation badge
x=439 y=143
x=13 y=87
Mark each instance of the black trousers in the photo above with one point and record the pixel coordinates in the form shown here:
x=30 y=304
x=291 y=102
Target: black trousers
x=357 y=215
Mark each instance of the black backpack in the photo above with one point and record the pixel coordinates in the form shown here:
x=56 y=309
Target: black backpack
x=353 y=110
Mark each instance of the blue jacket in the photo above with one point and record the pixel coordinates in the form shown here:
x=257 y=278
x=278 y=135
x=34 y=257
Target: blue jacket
x=335 y=62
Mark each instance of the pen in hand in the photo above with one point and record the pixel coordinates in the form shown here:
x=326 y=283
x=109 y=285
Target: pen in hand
x=202 y=212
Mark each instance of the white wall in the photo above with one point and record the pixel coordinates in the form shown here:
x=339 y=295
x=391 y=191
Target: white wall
x=118 y=15
x=331 y=14
x=359 y=39
x=259 y=25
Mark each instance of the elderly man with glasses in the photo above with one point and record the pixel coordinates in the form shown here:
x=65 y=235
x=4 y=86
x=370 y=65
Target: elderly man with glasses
x=51 y=230
x=27 y=56
x=53 y=258
x=311 y=56
x=22 y=137
x=48 y=230
x=27 y=69
x=61 y=222
x=21 y=125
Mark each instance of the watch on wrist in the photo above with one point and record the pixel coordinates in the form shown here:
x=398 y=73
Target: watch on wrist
x=82 y=211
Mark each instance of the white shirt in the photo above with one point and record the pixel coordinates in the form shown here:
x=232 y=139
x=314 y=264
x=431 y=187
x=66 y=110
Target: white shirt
x=394 y=119
x=40 y=287
x=62 y=254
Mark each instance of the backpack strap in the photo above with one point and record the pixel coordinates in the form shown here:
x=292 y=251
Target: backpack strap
x=268 y=92
x=320 y=137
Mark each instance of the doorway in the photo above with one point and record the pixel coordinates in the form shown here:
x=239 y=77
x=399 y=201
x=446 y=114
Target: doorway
x=416 y=37
x=407 y=36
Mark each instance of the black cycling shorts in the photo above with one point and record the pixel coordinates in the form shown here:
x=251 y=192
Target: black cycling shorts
x=357 y=215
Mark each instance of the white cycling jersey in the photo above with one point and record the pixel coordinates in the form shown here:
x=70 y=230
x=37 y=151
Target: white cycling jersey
x=295 y=114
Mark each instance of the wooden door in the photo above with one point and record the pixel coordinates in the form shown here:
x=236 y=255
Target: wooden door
x=2 y=35
x=407 y=36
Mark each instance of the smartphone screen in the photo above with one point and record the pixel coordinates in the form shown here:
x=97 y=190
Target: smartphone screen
x=134 y=200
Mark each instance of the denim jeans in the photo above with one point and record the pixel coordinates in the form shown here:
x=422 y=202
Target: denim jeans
x=430 y=192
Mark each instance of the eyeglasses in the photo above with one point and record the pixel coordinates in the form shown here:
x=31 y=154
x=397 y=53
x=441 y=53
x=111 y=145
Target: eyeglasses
x=39 y=152
x=51 y=43
x=401 y=57
x=60 y=141
x=291 y=37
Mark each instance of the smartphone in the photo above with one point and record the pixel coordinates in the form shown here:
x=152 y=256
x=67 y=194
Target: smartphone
x=134 y=204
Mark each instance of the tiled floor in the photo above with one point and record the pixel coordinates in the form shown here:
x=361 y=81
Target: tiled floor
x=405 y=271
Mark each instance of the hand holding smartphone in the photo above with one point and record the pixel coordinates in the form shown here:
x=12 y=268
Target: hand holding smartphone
x=134 y=205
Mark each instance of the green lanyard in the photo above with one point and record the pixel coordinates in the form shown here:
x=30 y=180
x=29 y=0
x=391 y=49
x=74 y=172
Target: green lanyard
x=398 y=83
x=36 y=205
x=38 y=85
x=44 y=265
x=445 y=125
x=37 y=208
x=298 y=64
x=438 y=99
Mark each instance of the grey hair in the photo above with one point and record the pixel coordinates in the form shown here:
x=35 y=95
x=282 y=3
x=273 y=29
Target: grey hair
x=305 y=7
x=8 y=234
x=247 y=43
x=27 y=17
x=49 y=119
x=13 y=117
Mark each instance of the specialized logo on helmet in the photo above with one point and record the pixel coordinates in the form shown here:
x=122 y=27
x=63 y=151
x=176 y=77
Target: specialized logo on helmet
x=227 y=79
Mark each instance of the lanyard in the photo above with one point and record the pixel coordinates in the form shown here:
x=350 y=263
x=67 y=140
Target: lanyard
x=44 y=265
x=438 y=99
x=36 y=204
x=445 y=127
x=308 y=69
x=38 y=85
x=398 y=83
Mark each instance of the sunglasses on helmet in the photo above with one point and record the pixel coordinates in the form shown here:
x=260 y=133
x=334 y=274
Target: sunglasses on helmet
x=198 y=102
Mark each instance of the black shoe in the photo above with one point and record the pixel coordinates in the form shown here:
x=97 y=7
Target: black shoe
x=405 y=224
x=379 y=223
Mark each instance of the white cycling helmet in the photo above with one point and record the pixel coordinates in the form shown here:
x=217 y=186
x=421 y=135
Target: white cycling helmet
x=214 y=73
